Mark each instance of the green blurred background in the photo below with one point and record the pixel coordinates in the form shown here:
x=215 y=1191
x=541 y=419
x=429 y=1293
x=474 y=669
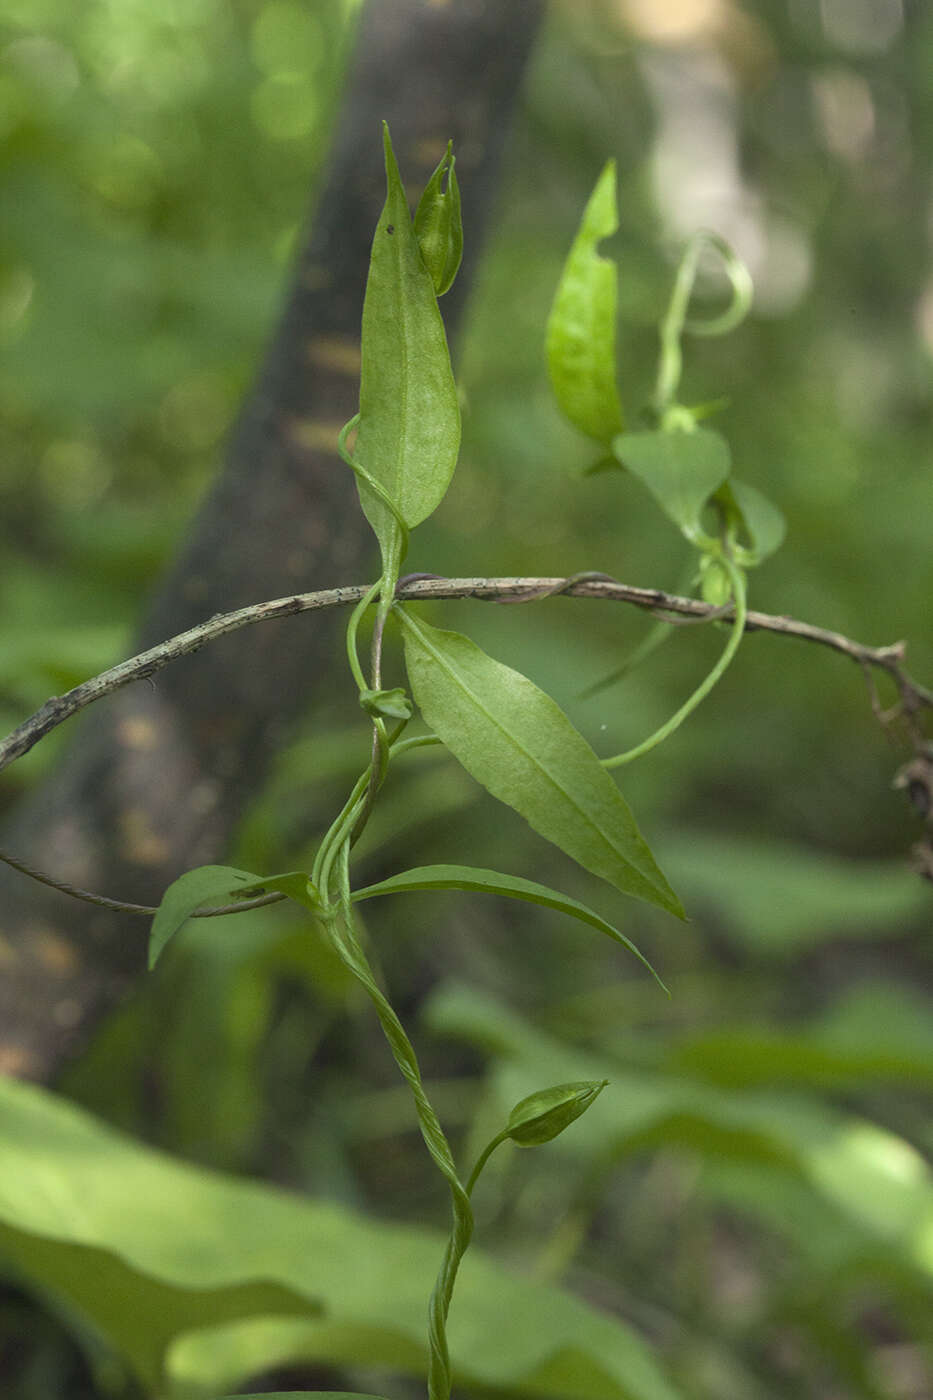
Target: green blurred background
x=157 y=162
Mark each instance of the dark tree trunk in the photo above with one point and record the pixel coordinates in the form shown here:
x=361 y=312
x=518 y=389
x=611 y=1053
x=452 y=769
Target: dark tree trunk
x=158 y=776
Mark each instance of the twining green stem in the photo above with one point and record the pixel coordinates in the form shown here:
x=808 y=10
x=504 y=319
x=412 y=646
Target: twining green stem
x=363 y=475
x=323 y=860
x=352 y=628
x=420 y=741
x=340 y=927
x=737 y=581
x=676 y=321
x=457 y=1245
x=484 y=1157
x=331 y=877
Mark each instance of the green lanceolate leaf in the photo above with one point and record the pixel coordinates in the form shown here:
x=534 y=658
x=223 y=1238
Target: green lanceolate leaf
x=438 y=226
x=209 y=884
x=306 y=1395
x=680 y=468
x=762 y=522
x=409 y=428
x=468 y=877
x=581 y=330
x=544 y=1116
x=519 y=744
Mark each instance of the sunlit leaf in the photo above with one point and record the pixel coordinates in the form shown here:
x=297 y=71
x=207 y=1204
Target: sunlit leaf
x=409 y=429
x=517 y=742
x=465 y=877
x=581 y=331
x=152 y=1253
x=680 y=468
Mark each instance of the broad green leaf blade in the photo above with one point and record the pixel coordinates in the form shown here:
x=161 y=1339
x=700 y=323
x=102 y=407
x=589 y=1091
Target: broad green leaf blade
x=209 y=884
x=152 y=1252
x=438 y=225
x=519 y=744
x=468 y=877
x=581 y=330
x=307 y=1395
x=681 y=469
x=763 y=523
x=409 y=429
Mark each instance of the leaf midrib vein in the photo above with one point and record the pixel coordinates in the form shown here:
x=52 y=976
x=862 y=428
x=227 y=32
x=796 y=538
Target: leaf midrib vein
x=530 y=756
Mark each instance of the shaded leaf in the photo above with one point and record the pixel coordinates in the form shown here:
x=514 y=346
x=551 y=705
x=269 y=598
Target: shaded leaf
x=581 y=330
x=519 y=744
x=875 y=1179
x=152 y=1252
x=467 y=877
x=409 y=429
x=208 y=884
x=778 y=898
x=764 y=525
x=681 y=469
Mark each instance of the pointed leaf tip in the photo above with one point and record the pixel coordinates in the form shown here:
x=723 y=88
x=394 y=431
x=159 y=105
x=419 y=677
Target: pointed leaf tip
x=544 y=1115
x=408 y=436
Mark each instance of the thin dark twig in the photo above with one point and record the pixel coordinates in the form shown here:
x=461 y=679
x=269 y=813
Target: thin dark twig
x=119 y=905
x=912 y=697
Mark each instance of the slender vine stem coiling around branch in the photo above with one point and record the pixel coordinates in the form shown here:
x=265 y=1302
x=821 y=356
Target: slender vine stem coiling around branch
x=913 y=697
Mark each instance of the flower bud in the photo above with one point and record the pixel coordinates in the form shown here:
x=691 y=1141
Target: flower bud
x=438 y=227
x=544 y=1115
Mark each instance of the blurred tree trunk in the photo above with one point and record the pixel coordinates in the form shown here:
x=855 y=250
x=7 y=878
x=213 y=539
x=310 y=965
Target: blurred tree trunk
x=158 y=776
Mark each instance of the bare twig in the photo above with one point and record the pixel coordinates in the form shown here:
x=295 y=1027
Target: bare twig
x=119 y=905
x=913 y=697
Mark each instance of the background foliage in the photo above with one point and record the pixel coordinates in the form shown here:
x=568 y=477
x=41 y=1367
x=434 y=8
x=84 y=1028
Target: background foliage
x=750 y=1194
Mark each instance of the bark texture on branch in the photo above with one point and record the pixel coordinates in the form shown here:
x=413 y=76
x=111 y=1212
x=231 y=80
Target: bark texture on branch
x=157 y=783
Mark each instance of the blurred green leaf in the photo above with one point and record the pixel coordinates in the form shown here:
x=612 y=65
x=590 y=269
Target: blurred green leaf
x=581 y=329
x=519 y=744
x=868 y=1173
x=680 y=468
x=873 y=1034
x=778 y=898
x=764 y=525
x=147 y=1249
